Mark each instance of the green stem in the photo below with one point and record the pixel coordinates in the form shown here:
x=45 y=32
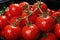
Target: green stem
x=58 y=19
x=44 y=35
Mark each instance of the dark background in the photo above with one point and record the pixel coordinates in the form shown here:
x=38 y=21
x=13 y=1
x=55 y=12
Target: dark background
x=52 y=4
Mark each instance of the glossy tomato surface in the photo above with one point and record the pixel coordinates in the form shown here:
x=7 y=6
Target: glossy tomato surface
x=45 y=24
x=11 y=32
x=15 y=10
x=3 y=21
x=57 y=30
x=30 y=32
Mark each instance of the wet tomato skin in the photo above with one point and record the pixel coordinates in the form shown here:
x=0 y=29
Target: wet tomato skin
x=11 y=32
x=45 y=23
x=8 y=15
x=30 y=32
x=3 y=21
x=15 y=10
x=57 y=30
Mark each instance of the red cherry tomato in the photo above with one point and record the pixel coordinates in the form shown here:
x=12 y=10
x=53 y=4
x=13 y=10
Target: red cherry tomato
x=30 y=32
x=17 y=21
x=11 y=32
x=35 y=7
x=59 y=10
x=57 y=30
x=14 y=20
x=15 y=10
x=24 y=5
x=56 y=14
x=45 y=24
x=3 y=21
x=44 y=7
x=8 y=15
x=51 y=11
x=50 y=36
x=31 y=18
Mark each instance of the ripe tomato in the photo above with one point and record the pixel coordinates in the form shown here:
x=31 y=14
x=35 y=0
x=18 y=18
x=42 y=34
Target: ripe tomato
x=15 y=10
x=49 y=36
x=19 y=22
x=35 y=7
x=3 y=21
x=30 y=32
x=8 y=15
x=24 y=5
x=13 y=20
x=31 y=18
x=11 y=32
x=56 y=14
x=57 y=30
x=51 y=11
x=59 y=10
x=44 y=7
x=45 y=24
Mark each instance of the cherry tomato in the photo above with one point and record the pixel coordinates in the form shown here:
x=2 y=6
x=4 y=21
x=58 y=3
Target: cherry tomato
x=30 y=32
x=56 y=14
x=59 y=10
x=11 y=32
x=8 y=15
x=31 y=18
x=14 y=20
x=57 y=30
x=15 y=10
x=24 y=5
x=17 y=21
x=44 y=7
x=51 y=11
x=35 y=7
x=45 y=24
x=3 y=21
x=49 y=36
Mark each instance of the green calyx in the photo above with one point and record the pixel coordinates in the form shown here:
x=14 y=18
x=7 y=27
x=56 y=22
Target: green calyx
x=28 y=12
x=58 y=19
x=20 y=19
x=45 y=35
x=44 y=14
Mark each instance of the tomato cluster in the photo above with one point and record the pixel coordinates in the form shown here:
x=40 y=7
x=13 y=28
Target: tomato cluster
x=30 y=22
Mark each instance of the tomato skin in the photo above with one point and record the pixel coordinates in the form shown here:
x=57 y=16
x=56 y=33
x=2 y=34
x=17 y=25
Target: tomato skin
x=13 y=20
x=50 y=36
x=30 y=32
x=56 y=14
x=15 y=10
x=51 y=11
x=31 y=18
x=44 y=7
x=59 y=10
x=19 y=23
x=3 y=21
x=22 y=5
x=45 y=24
x=11 y=32
x=8 y=15
x=57 y=30
x=35 y=7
